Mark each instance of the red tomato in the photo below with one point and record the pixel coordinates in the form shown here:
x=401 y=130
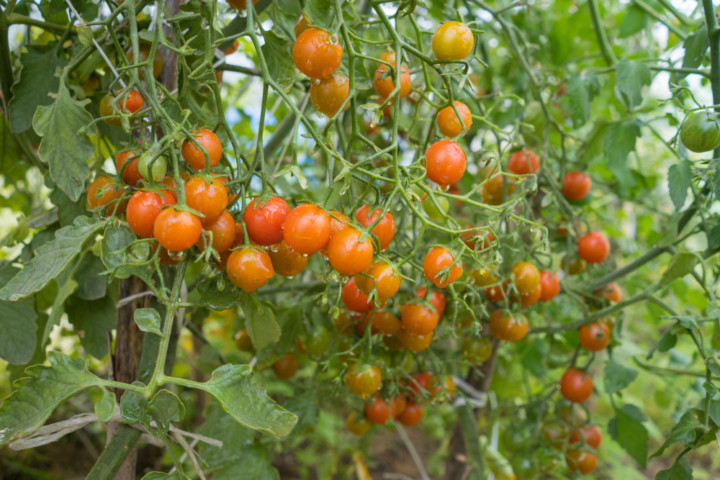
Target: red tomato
x=414 y=342
x=611 y=291
x=591 y=435
x=132 y=101
x=450 y=124
x=249 y=268
x=445 y=162
x=143 y=208
x=127 y=163
x=286 y=261
x=285 y=367
x=354 y=299
x=223 y=230
x=105 y=191
x=264 y=220
x=594 y=336
x=583 y=461
x=576 y=386
x=385 y=228
x=377 y=411
x=363 y=380
x=347 y=253
x=510 y=328
x=412 y=415
x=436 y=299
x=316 y=53
x=418 y=319
x=593 y=247
x=210 y=199
x=576 y=186
x=177 y=230
x=382 y=277
x=384 y=78
x=195 y=157
x=437 y=260
x=307 y=228
x=524 y=162
x=550 y=285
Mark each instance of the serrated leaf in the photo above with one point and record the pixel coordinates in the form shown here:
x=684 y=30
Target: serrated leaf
x=35 y=398
x=105 y=407
x=132 y=406
x=51 y=259
x=680 y=265
x=116 y=254
x=619 y=141
x=577 y=100
x=248 y=404
x=320 y=12
x=627 y=429
x=260 y=321
x=679 y=181
x=680 y=470
x=148 y=320
x=91 y=284
x=92 y=320
x=18 y=323
x=278 y=51
x=633 y=22
x=165 y=407
x=617 y=376
x=63 y=148
x=630 y=78
x=686 y=431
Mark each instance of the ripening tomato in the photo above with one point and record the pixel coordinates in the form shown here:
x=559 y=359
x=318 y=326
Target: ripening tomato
x=583 y=461
x=526 y=277
x=414 y=342
x=555 y=433
x=316 y=53
x=286 y=261
x=496 y=190
x=264 y=220
x=385 y=228
x=232 y=48
x=452 y=124
x=418 y=319
x=377 y=411
x=285 y=367
x=389 y=57
x=382 y=277
x=529 y=299
x=301 y=25
x=131 y=101
x=243 y=342
x=436 y=299
x=177 y=230
x=127 y=163
x=590 y=434
x=344 y=323
x=411 y=415
x=384 y=81
x=570 y=414
x=452 y=41
x=594 y=336
x=307 y=228
x=381 y=322
x=157 y=63
x=249 y=268
x=223 y=231
x=575 y=266
x=523 y=162
x=210 y=199
x=108 y=112
x=576 y=186
x=356 y=425
x=550 y=284
x=105 y=191
x=328 y=95
x=338 y=222
x=195 y=157
x=398 y=405
x=144 y=207
x=576 y=386
x=445 y=162
x=482 y=237
x=510 y=328
x=476 y=350
x=347 y=253
x=593 y=247
x=354 y=299
x=240 y=4
x=437 y=260
x=363 y=380
x=611 y=291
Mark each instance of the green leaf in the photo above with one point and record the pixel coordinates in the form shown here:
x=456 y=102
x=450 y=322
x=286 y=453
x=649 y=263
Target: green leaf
x=680 y=265
x=91 y=284
x=18 y=323
x=247 y=403
x=105 y=407
x=37 y=80
x=628 y=430
x=695 y=45
x=278 y=54
x=679 y=181
x=320 y=13
x=58 y=308
x=259 y=321
x=133 y=405
x=9 y=147
x=577 y=100
x=630 y=78
x=617 y=376
x=63 y=147
x=92 y=320
x=164 y=476
x=148 y=320
x=120 y=255
x=619 y=142
x=714 y=237
x=50 y=260
x=680 y=470
x=633 y=22
x=35 y=398
x=210 y=295
x=687 y=431
x=165 y=407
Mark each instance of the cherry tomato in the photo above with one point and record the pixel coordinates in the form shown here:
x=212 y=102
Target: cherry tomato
x=550 y=285
x=105 y=191
x=529 y=299
x=354 y=299
x=452 y=124
x=382 y=277
x=357 y=425
x=576 y=386
x=611 y=291
x=575 y=266
x=249 y=268
x=338 y=222
x=590 y=434
x=495 y=191
x=243 y=342
x=286 y=261
x=240 y=4
x=398 y=405
x=301 y=25
x=347 y=253
x=232 y=48
x=435 y=212
x=195 y=157
x=108 y=112
x=385 y=228
x=510 y=328
x=285 y=367
x=382 y=323
x=418 y=319
x=177 y=230
x=307 y=228
x=316 y=53
x=495 y=293
x=526 y=277
x=445 y=162
x=317 y=340
x=377 y=411
x=210 y=199
x=576 y=186
x=700 y=131
x=571 y=414
x=583 y=461
x=476 y=350
x=593 y=247
x=363 y=380
x=414 y=342
x=523 y=162
x=143 y=208
x=412 y=415
x=555 y=433
x=384 y=81
x=224 y=232
x=344 y=323
x=594 y=336
x=127 y=163
x=452 y=41
x=157 y=63
x=328 y=95
x=483 y=237
x=437 y=260
x=131 y=101
x=436 y=299
x=264 y=220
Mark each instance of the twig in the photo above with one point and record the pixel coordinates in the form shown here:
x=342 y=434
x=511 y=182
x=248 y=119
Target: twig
x=130 y=298
x=413 y=453
x=190 y=454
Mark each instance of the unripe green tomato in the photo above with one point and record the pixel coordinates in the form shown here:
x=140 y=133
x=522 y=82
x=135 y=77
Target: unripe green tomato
x=547 y=459
x=152 y=168
x=317 y=341
x=432 y=210
x=476 y=350
x=700 y=132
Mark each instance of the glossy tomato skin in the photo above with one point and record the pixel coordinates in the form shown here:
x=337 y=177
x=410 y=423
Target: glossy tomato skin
x=385 y=228
x=451 y=123
x=316 y=54
x=286 y=261
x=590 y=434
x=384 y=82
x=105 y=191
x=583 y=461
x=594 y=336
x=301 y=25
x=524 y=162
x=143 y=208
x=194 y=156
x=307 y=228
x=477 y=239
x=526 y=277
x=377 y=411
x=382 y=322
x=510 y=328
x=436 y=299
x=363 y=380
x=348 y=254
x=550 y=285
x=177 y=230
x=210 y=199
x=529 y=299
x=496 y=190
x=593 y=247
x=106 y=110
x=354 y=299
x=700 y=131
x=243 y=342
x=382 y=277
x=576 y=386
x=264 y=220
x=452 y=41
x=611 y=291
x=576 y=186
x=411 y=415
x=476 y=350
x=414 y=342
x=249 y=268
x=445 y=162
x=131 y=101
x=418 y=319
x=224 y=232
x=575 y=266
x=355 y=424
x=285 y=367
x=127 y=163
x=438 y=259
x=328 y=95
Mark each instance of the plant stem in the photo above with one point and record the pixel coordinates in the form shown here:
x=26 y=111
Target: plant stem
x=114 y=453
x=600 y=33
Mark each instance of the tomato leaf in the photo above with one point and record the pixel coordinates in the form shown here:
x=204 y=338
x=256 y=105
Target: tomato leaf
x=687 y=431
x=680 y=265
x=679 y=181
x=617 y=376
x=695 y=45
x=148 y=320
x=92 y=321
x=630 y=78
x=105 y=407
x=633 y=22
x=35 y=398
x=680 y=470
x=260 y=321
x=278 y=54
x=18 y=322
x=628 y=430
x=63 y=147
x=165 y=407
x=320 y=13
x=51 y=259
x=577 y=100
x=619 y=142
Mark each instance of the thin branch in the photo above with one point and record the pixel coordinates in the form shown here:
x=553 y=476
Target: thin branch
x=413 y=453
